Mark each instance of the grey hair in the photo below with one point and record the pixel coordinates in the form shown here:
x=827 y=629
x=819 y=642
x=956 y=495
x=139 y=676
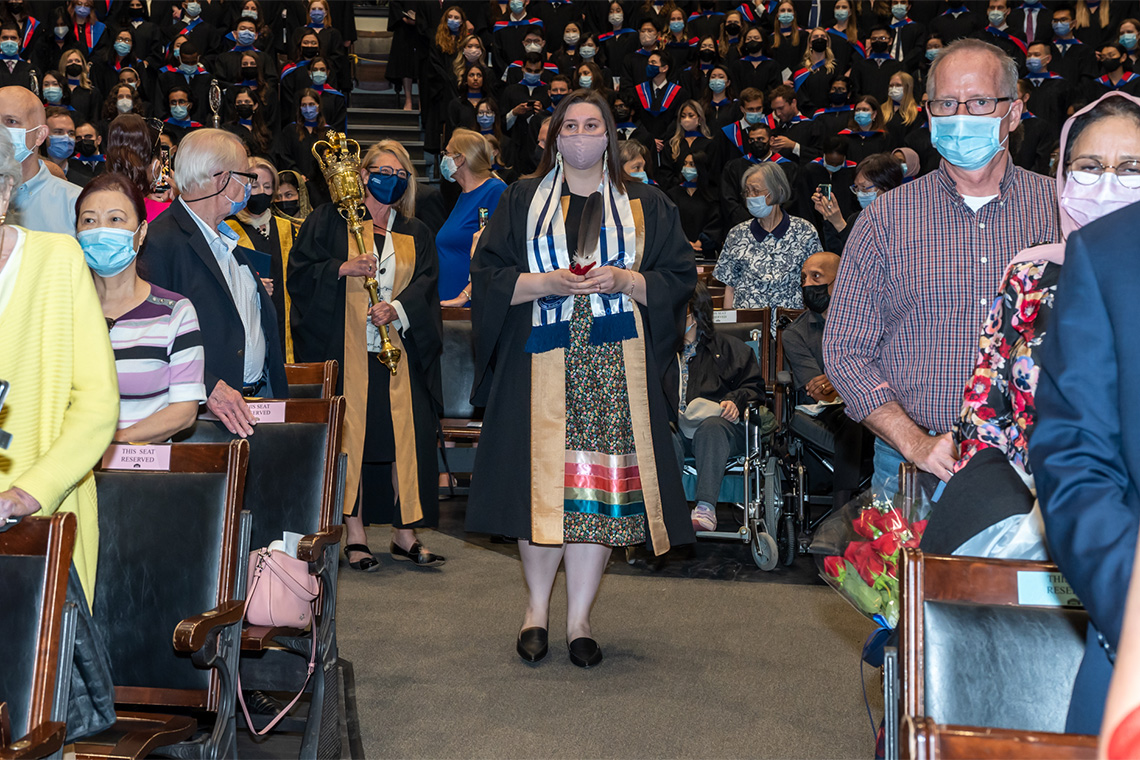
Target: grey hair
x=1008 y=81
x=11 y=172
x=201 y=153
x=774 y=179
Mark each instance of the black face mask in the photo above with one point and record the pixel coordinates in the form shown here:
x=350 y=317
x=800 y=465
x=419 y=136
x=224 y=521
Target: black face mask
x=138 y=13
x=816 y=297
x=707 y=55
x=879 y=46
x=258 y=203
x=17 y=9
x=244 y=110
x=819 y=44
x=759 y=148
x=249 y=72
x=308 y=52
x=537 y=155
x=1109 y=65
x=837 y=97
x=752 y=47
x=289 y=208
x=73 y=69
x=621 y=114
x=732 y=29
x=86 y=147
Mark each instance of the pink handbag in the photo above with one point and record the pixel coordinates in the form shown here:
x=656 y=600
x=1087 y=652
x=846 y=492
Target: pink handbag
x=280 y=590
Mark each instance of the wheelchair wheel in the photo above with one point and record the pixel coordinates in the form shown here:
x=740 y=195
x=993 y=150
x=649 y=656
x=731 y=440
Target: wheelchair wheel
x=765 y=553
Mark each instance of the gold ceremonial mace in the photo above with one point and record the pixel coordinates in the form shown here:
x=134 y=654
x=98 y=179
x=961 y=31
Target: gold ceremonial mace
x=339 y=159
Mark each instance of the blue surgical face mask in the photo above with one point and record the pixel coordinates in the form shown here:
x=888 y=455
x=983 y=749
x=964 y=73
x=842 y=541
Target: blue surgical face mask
x=864 y=118
x=966 y=141
x=531 y=79
x=61 y=146
x=585 y=81
x=83 y=11
x=689 y=173
x=517 y=6
x=753 y=117
x=1061 y=28
x=866 y=197
x=188 y=68
x=448 y=168
x=717 y=85
x=309 y=113
x=758 y=206
x=786 y=18
x=932 y=53
x=832 y=169
x=319 y=77
x=485 y=120
x=108 y=250
x=996 y=18
x=317 y=15
x=652 y=70
x=246 y=37
x=387 y=189
x=556 y=99
x=193 y=10
x=676 y=27
x=1035 y=64
x=19 y=143
x=250 y=14
x=453 y=25
x=122 y=47
x=9 y=48
x=587 y=52
x=179 y=113
x=898 y=10
x=1128 y=40
x=640 y=177
x=53 y=94
x=842 y=14
x=247 y=190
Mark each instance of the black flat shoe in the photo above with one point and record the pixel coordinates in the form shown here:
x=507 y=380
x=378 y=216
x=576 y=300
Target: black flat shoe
x=416 y=555
x=367 y=565
x=585 y=652
x=532 y=644
x=260 y=703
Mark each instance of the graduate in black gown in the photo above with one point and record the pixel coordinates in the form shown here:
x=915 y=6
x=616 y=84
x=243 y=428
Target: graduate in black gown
x=390 y=419
x=578 y=371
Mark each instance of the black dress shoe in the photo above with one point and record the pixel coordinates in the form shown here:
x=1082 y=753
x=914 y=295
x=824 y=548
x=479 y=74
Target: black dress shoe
x=585 y=652
x=532 y=644
x=416 y=555
x=260 y=703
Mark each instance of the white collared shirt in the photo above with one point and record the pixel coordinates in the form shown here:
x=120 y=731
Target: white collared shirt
x=243 y=290
x=386 y=279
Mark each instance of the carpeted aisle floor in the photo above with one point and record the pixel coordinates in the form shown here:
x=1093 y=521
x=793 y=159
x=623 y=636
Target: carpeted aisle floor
x=693 y=668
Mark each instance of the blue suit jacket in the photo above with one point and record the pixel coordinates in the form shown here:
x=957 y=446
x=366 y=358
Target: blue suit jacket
x=1085 y=448
x=178 y=258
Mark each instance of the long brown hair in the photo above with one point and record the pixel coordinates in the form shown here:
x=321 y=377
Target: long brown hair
x=444 y=39
x=550 y=152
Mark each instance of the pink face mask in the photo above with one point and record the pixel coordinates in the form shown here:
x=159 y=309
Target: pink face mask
x=1087 y=203
x=582 y=151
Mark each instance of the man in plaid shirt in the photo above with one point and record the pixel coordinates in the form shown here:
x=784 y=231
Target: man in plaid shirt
x=925 y=261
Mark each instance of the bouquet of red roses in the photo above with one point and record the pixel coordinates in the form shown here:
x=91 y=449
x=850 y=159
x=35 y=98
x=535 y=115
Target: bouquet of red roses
x=866 y=572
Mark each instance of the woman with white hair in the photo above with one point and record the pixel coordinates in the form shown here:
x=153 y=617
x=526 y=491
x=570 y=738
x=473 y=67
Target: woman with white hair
x=62 y=408
x=761 y=259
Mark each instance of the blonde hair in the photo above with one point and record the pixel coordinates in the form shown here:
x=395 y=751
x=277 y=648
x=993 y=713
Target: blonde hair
x=828 y=56
x=459 y=63
x=257 y=162
x=777 y=35
x=852 y=23
x=908 y=107
x=84 y=80
x=406 y=206
x=474 y=149
x=679 y=132
x=1082 y=19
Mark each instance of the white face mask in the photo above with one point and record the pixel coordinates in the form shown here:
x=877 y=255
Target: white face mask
x=533 y=47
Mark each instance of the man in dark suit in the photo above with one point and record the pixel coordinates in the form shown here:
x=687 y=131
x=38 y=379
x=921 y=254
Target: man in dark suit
x=1085 y=454
x=190 y=251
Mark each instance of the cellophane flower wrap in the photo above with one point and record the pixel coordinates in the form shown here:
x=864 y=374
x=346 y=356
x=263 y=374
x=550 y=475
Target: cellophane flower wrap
x=859 y=550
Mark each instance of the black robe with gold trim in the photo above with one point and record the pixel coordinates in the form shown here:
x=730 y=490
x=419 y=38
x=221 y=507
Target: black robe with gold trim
x=318 y=315
x=501 y=489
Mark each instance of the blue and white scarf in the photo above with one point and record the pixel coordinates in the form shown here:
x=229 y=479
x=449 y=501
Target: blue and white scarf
x=546 y=251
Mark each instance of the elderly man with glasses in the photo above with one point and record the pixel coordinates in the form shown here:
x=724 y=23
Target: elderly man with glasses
x=924 y=262
x=191 y=251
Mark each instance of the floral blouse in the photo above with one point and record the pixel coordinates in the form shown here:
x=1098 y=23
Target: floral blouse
x=998 y=409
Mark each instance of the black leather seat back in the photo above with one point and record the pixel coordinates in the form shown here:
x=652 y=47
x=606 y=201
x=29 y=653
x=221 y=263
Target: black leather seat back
x=306 y=390
x=21 y=597
x=285 y=480
x=160 y=548
x=457 y=366
x=999 y=666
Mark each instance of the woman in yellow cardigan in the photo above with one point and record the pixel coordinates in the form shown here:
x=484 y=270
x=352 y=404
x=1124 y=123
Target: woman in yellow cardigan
x=63 y=405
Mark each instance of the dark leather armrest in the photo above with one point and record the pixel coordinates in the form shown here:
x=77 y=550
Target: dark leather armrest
x=41 y=741
x=310 y=548
x=783 y=377
x=190 y=635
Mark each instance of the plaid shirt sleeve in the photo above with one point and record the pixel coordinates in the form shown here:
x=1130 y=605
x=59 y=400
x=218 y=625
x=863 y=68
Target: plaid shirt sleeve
x=854 y=322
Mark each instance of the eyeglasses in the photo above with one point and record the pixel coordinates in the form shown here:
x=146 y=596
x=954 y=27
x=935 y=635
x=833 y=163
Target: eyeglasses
x=387 y=172
x=974 y=106
x=857 y=190
x=249 y=178
x=1088 y=171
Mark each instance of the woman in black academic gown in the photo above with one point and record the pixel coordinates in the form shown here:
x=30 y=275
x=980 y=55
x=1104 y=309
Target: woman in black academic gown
x=699 y=204
x=391 y=419
x=583 y=401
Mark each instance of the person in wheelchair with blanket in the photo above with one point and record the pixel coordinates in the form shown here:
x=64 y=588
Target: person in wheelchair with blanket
x=719 y=378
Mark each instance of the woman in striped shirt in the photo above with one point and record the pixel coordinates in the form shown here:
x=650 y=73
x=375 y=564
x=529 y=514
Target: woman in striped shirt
x=158 y=348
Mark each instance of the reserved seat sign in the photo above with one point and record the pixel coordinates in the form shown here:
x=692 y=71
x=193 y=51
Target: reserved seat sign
x=1038 y=588
x=127 y=456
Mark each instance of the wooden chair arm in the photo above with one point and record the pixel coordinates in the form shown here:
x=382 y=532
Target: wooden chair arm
x=190 y=635
x=42 y=741
x=312 y=547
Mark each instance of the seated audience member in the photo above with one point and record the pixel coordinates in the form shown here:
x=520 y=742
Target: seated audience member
x=833 y=169
x=866 y=131
x=657 y=100
x=466 y=162
x=60 y=145
x=718 y=98
x=803 y=352
x=61 y=409
x=1120 y=731
x=1112 y=57
x=131 y=152
x=834 y=117
x=191 y=75
x=993 y=478
x=293 y=148
x=248 y=124
x=291 y=201
x=761 y=259
x=53 y=91
x=874 y=176
x=624 y=120
x=499 y=162
x=14 y=70
x=634 y=157
x=88 y=160
x=179 y=104
x=333 y=103
x=192 y=252
x=698 y=205
x=259 y=230
x=902 y=112
x=719 y=378
x=909 y=162
x=41 y=201
x=690 y=135
x=120 y=99
x=1033 y=140
x=159 y=357
x=85 y=97
x=793 y=134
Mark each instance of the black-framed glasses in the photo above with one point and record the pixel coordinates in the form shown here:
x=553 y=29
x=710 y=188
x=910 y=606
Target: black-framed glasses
x=1088 y=171
x=388 y=172
x=974 y=106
